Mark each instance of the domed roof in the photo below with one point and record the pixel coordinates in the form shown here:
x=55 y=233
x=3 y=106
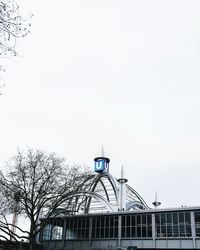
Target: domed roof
x=101 y=193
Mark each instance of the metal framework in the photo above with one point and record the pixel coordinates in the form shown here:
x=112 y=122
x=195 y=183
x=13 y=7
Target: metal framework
x=101 y=193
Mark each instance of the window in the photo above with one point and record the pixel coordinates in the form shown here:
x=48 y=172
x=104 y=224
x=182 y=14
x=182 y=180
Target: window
x=77 y=228
x=136 y=226
x=57 y=230
x=53 y=230
x=47 y=232
x=105 y=227
x=173 y=224
x=197 y=223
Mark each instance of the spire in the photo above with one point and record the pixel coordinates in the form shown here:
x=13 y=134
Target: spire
x=156 y=203
x=102 y=152
x=122 y=172
x=122 y=181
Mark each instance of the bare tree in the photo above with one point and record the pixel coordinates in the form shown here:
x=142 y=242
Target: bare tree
x=36 y=182
x=12 y=27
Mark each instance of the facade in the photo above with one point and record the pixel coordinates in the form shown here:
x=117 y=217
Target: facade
x=113 y=215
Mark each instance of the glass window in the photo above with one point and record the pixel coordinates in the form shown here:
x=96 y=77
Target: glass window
x=57 y=230
x=47 y=232
x=123 y=221
x=139 y=232
x=105 y=227
x=174 y=224
x=157 y=219
x=128 y=232
x=107 y=233
x=144 y=231
x=149 y=231
x=138 y=220
x=163 y=218
x=169 y=230
x=137 y=225
x=181 y=217
x=188 y=230
x=144 y=219
x=98 y=222
x=197 y=216
x=128 y=221
x=109 y=221
x=182 y=230
x=123 y=232
x=116 y=232
x=149 y=219
x=77 y=228
x=187 y=217
x=198 y=231
x=133 y=220
x=175 y=218
x=133 y=233
x=175 y=231
x=197 y=223
x=163 y=231
x=169 y=218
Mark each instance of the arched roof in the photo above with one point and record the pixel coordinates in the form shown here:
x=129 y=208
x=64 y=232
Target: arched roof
x=101 y=193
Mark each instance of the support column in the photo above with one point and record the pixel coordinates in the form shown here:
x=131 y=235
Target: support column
x=153 y=230
x=193 y=229
x=122 y=195
x=64 y=232
x=119 y=230
x=90 y=232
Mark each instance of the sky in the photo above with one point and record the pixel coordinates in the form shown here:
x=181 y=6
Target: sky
x=122 y=74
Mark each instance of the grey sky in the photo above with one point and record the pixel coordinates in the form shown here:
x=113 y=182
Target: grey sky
x=124 y=74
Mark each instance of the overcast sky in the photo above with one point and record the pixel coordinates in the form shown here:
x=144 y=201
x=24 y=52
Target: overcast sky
x=122 y=74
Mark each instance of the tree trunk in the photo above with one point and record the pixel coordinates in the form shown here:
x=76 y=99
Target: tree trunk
x=32 y=242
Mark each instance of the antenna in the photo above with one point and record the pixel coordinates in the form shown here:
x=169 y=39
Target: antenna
x=102 y=152
x=122 y=181
x=156 y=203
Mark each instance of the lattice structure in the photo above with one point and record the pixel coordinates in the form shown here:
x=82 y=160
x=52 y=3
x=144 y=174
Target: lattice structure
x=101 y=193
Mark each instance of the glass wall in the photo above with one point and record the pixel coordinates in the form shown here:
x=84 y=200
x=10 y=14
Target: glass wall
x=77 y=228
x=105 y=227
x=47 y=232
x=167 y=224
x=197 y=222
x=136 y=226
x=53 y=230
x=173 y=224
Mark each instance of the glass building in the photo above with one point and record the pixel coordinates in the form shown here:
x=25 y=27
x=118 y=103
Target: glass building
x=113 y=215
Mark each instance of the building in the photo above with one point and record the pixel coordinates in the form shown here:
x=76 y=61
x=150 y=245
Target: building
x=113 y=215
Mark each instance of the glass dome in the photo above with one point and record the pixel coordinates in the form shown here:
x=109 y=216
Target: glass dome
x=101 y=193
